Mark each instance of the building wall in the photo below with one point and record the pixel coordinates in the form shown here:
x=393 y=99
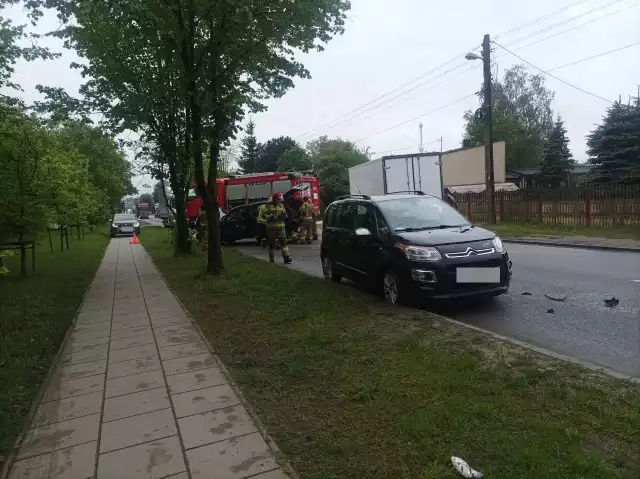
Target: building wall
x=466 y=166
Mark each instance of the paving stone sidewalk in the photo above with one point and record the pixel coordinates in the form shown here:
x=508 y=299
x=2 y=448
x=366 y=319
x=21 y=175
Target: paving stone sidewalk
x=137 y=394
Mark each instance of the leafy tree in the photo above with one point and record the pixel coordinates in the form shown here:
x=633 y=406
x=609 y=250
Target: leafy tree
x=10 y=51
x=522 y=117
x=134 y=80
x=23 y=146
x=185 y=73
x=295 y=159
x=272 y=151
x=331 y=160
x=108 y=168
x=557 y=160
x=250 y=150
x=614 y=147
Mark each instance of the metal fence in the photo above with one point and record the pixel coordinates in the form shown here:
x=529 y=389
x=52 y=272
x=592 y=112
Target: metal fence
x=601 y=207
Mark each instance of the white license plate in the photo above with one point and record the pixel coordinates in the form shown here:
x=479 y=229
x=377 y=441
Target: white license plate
x=126 y=229
x=478 y=275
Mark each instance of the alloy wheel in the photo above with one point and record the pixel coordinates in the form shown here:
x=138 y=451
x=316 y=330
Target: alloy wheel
x=327 y=268
x=390 y=288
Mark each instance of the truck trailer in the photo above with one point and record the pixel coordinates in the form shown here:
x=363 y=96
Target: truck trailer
x=398 y=173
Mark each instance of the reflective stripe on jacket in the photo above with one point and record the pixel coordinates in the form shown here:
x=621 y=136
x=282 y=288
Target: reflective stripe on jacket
x=274 y=214
x=306 y=211
x=260 y=219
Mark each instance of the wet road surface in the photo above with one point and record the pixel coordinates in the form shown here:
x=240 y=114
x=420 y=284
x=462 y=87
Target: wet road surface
x=582 y=326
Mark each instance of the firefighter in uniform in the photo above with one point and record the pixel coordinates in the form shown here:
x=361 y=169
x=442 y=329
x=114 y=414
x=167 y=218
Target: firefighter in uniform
x=262 y=226
x=275 y=214
x=306 y=216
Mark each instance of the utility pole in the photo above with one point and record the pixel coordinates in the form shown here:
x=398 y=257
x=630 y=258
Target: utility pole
x=488 y=130
x=421 y=149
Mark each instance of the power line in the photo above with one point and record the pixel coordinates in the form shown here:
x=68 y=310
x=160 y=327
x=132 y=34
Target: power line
x=543 y=17
x=575 y=27
x=594 y=56
x=553 y=76
x=568 y=20
x=417 y=117
x=384 y=95
x=374 y=112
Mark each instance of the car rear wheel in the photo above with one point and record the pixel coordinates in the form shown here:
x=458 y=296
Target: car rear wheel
x=329 y=271
x=391 y=288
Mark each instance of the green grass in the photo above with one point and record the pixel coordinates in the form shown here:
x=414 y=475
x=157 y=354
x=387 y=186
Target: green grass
x=35 y=313
x=556 y=231
x=350 y=388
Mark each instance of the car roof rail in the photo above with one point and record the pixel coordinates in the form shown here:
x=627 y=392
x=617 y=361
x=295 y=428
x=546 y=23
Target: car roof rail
x=364 y=197
x=408 y=192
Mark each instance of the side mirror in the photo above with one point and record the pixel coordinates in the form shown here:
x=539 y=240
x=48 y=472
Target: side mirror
x=363 y=232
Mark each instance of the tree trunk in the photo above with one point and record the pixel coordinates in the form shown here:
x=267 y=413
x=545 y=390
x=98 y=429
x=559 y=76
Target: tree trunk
x=215 y=248
x=214 y=259
x=182 y=226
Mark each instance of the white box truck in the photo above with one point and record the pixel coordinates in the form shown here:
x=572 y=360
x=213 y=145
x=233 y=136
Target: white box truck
x=392 y=174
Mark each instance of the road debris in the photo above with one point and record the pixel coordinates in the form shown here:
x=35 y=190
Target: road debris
x=612 y=302
x=525 y=293
x=556 y=298
x=464 y=469
x=551 y=311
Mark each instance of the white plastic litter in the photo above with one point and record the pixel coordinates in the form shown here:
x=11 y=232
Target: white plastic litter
x=464 y=469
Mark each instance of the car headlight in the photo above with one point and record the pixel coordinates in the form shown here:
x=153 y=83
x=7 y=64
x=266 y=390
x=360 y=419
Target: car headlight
x=497 y=244
x=136 y=225
x=114 y=225
x=420 y=253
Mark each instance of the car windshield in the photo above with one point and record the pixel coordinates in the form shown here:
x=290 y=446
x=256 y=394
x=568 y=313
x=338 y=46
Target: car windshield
x=124 y=217
x=420 y=213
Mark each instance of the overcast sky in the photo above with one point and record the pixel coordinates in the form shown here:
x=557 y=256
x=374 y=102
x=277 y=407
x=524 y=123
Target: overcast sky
x=387 y=44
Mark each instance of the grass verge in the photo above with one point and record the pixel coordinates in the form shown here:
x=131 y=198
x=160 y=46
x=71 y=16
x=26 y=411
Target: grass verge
x=350 y=388
x=35 y=313
x=558 y=231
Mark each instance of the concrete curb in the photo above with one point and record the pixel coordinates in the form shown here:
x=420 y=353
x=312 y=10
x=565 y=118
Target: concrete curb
x=547 y=352
x=562 y=244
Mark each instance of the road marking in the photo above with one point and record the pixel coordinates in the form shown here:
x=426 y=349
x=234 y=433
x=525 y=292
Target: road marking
x=636 y=280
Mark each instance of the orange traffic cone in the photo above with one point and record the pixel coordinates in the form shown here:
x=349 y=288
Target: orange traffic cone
x=135 y=239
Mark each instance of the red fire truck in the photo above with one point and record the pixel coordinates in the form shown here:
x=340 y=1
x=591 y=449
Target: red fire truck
x=250 y=188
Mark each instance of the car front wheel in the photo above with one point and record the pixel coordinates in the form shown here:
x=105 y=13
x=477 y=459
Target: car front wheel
x=391 y=288
x=329 y=271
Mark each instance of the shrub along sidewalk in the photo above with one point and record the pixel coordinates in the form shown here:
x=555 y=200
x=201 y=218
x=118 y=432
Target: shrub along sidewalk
x=351 y=388
x=35 y=313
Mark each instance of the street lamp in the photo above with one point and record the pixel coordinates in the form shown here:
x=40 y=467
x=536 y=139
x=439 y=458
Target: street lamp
x=488 y=133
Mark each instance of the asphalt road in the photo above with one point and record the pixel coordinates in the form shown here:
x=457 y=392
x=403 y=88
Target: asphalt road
x=582 y=326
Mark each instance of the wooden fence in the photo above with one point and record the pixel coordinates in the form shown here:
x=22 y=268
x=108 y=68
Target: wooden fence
x=601 y=207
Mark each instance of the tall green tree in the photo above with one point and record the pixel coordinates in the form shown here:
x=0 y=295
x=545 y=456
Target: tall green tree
x=12 y=38
x=272 y=152
x=108 y=168
x=614 y=147
x=331 y=159
x=557 y=160
x=295 y=159
x=186 y=72
x=24 y=205
x=250 y=149
x=135 y=81
x=522 y=117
